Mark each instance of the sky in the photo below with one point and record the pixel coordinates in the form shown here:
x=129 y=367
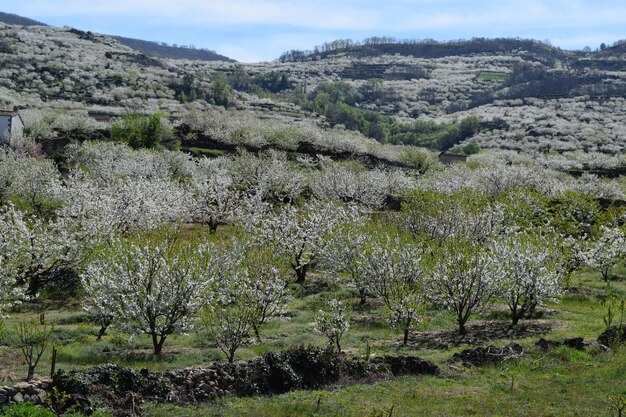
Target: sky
x=260 y=30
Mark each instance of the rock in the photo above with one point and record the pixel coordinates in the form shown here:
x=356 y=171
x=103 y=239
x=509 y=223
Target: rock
x=22 y=386
x=18 y=398
x=612 y=336
x=547 y=345
x=574 y=343
x=489 y=354
x=3 y=398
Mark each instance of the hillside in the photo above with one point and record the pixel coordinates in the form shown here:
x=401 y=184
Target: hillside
x=145 y=47
x=166 y=51
x=369 y=229
x=515 y=94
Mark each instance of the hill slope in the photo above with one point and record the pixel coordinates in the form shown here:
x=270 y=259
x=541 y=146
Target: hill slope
x=13 y=19
x=165 y=51
x=145 y=47
x=525 y=95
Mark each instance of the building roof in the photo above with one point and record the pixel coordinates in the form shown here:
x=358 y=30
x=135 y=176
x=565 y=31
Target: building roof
x=12 y=113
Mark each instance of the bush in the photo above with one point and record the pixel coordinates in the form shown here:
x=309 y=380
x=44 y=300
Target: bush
x=139 y=131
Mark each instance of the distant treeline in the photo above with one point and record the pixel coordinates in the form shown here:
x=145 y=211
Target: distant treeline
x=425 y=48
x=163 y=50
x=13 y=19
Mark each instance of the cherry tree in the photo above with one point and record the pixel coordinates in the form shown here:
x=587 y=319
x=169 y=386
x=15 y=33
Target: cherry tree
x=31 y=180
x=299 y=235
x=10 y=256
x=464 y=215
x=214 y=199
x=342 y=182
x=530 y=271
x=333 y=322
x=42 y=251
x=464 y=279
x=268 y=282
x=268 y=175
x=393 y=268
x=607 y=251
x=232 y=316
x=347 y=251
x=152 y=289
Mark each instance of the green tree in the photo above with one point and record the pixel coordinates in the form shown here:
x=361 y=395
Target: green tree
x=139 y=131
x=221 y=90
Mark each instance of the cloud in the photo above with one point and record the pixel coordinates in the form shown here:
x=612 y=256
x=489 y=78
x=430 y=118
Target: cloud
x=254 y=29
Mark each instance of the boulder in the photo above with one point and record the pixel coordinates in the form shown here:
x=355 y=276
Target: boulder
x=577 y=343
x=614 y=335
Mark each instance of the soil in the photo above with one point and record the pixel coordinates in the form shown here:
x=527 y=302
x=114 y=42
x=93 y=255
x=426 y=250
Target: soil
x=479 y=332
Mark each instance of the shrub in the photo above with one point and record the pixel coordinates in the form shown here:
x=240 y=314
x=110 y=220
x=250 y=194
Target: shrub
x=139 y=131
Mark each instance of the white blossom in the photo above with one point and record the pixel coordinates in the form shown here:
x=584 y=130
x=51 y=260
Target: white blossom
x=464 y=280
x=607 y=251
x=333 y=322
x=152 y=289
x=530 y=271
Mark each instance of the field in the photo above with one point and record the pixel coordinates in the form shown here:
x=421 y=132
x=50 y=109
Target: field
x=562 y=382
x=492 y=76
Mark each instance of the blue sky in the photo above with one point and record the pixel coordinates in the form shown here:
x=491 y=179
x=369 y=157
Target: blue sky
x=260 y=30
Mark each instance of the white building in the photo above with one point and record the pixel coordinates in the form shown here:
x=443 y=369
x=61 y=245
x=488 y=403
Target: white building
x=10 y=123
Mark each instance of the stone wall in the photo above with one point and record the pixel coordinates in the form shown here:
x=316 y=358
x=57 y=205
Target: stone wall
x=35 y=392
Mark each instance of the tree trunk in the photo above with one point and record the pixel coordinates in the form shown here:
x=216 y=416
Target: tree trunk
x=31 y=372
x=516 y=315
x=462 y=329
x=362 y=296
x=213 y=227
x=158 y=344
x=101 y=333
x=301 y=273
x=231 y=355
x=406 y=336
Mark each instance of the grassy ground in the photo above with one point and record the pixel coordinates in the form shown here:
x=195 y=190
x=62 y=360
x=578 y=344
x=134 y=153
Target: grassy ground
x=492 y=76
x=562 y=383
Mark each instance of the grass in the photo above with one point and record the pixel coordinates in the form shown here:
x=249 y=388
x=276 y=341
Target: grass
x=492 y=76
x=562 y=383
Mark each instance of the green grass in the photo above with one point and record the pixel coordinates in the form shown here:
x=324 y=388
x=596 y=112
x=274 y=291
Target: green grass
x=562 y=383
x=492 y=76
